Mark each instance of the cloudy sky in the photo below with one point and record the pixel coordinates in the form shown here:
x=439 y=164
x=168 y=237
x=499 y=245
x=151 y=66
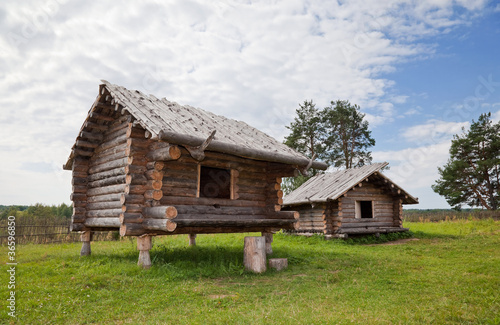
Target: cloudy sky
x=420 y=70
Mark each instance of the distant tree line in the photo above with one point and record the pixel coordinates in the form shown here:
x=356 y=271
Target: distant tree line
x=62 y=211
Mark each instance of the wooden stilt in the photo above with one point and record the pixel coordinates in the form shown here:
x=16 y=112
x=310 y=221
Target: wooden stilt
x=254 y=255
x=269 y=239
x=192 y=239
x=85 y=237
x=144 y=244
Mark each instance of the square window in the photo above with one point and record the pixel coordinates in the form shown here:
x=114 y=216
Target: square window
x=364 y=209
x=214 y=183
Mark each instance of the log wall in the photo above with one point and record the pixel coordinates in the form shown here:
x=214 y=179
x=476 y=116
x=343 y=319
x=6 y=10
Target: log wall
x=312 y=219
x=107 y=178
x=383 y=207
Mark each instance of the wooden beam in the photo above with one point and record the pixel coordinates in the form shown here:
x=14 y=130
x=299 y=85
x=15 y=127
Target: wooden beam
x=232 y=149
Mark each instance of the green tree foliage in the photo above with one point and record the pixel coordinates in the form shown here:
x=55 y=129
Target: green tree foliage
x=306 y=136
x=38 y=210
x=347 y=135
x=472 y=174
x=337 y=135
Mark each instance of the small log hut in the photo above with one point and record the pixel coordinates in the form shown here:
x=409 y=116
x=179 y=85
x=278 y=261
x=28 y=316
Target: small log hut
x=147 y=166
x=352 y=201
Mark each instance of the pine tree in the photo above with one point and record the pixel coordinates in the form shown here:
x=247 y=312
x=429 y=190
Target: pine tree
x=472 y=174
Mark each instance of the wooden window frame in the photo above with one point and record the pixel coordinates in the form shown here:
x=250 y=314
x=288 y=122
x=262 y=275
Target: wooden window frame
x=232 y=179
x=358 y=209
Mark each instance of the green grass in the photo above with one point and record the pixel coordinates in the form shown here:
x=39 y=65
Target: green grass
x=450 y=275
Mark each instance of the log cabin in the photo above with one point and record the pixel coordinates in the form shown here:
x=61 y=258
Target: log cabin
x=146 y=166
x=348 y=202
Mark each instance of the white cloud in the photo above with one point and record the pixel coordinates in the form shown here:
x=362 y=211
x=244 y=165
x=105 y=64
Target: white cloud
x=251 y=61
x=433 y=131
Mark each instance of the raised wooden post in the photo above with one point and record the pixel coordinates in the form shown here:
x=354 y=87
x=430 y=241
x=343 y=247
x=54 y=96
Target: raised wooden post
x=269 y=239
x=254 y=255
x=85 y=237
x=144 y=245
x=192 y=239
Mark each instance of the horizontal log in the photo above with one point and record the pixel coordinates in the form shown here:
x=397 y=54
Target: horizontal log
x=79 y=189
x=155 y=185
x=115 y=180
x=131 y=218
x=77 y=227
x=136 y=179
x=99 y=159
x=154 y=174
x=113 y=150
x=81 y=152
x=135 y=189
x=112 y=143
x=112 y=189
x=131 y=199
x=101 y=117
x=372 y=230
x=104 y=205
x=174 y=200
x=243 y=223
x=164 y=154
x=92 y=136
x=365 y=224
x=159 y=224
x=179 y=191
x=94 y=126
x=158 y=165
x=160 y=212
x=104 y=198
x=227 y=148
x=122 y=162
x=102 y=222
x=135 y=169
x=153 y=194
x=78 y=218
x=109 y=213
x=78 y=197
x=137 y=160
x=86 y=144
x=106 y=174
x=132 y=208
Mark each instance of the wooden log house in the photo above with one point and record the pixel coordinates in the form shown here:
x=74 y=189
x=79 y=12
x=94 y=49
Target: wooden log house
x=147 y=166
x=352 y=201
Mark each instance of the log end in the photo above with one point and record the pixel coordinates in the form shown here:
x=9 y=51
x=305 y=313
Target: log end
x=175 y=152
x=171 y=212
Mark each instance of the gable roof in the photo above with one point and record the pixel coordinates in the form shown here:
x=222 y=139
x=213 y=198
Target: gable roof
x=331 y=186
x=186 y=125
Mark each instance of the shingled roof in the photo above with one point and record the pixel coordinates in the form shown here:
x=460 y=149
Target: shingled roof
x=331 y=186
x=185 y=125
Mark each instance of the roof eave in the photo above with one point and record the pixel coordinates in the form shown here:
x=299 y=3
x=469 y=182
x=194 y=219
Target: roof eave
x=228 y=148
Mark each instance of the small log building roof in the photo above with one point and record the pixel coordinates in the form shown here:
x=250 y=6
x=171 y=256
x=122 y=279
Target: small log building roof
x=185 y=125
x=331 y=186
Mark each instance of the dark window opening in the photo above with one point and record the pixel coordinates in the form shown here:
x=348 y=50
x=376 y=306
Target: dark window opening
x=366 y=209
x=215 y=182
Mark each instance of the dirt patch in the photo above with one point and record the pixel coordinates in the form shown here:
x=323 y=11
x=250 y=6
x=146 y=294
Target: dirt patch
x=396 y=242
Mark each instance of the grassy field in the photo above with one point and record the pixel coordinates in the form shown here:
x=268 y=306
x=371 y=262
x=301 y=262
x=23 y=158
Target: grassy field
x=448 y=274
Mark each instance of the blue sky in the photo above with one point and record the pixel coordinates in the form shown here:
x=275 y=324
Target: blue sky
x=420 y=70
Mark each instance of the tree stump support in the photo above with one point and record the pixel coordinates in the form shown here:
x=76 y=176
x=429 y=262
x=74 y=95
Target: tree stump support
x=278 y=263
x=192 y=239
x=144 y=244
x=86 y=238
x=269 y=239
x=254 y=254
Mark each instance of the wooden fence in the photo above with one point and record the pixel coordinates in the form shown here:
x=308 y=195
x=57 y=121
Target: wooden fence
x=46 y=231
